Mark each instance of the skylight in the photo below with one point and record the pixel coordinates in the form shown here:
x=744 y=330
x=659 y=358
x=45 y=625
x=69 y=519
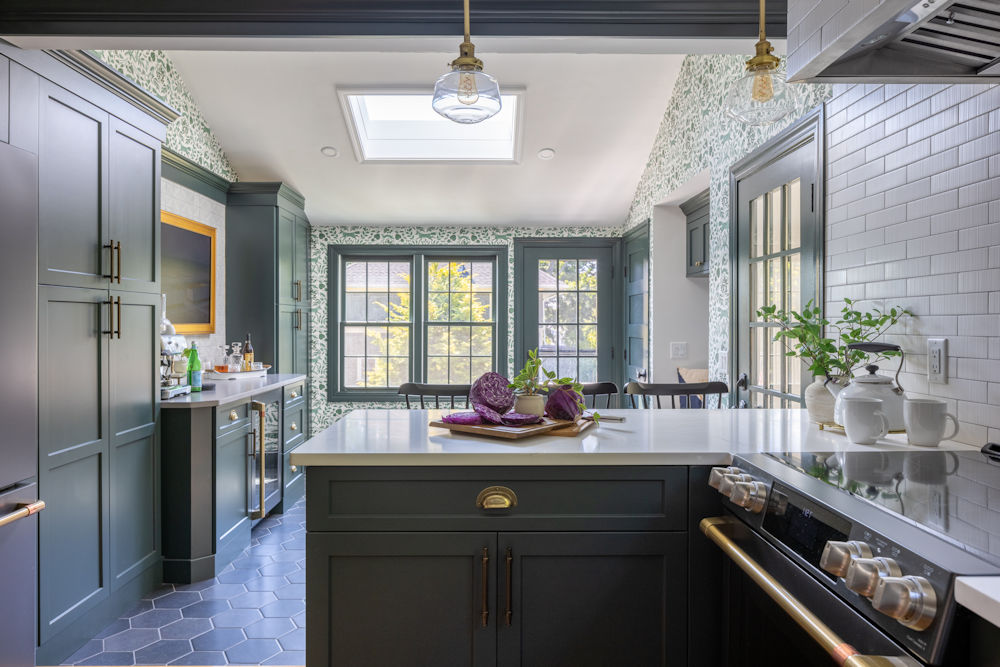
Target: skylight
x=403 y=127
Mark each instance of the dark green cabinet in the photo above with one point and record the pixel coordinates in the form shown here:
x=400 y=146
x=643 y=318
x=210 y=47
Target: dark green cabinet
x=232 y=493
x=267 y=272
x=134 y=192
x=696 y=212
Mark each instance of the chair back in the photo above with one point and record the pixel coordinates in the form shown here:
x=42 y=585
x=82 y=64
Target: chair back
x=594 y=390
x=435 y=391
x=685 y=390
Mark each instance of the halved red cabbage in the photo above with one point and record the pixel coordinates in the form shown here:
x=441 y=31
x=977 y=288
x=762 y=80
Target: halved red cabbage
x=518 y=419
x=490 y=389
x=488 y=414
x=563 y=403
x=465 y=418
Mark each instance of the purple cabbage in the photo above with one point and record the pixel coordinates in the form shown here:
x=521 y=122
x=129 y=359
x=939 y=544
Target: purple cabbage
x=488 y=414
x=492 y=390
x=518 y=419
x=465 y=418
x=563 y=403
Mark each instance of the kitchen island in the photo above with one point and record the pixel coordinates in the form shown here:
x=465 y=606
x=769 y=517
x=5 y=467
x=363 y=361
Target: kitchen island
x=427 y=547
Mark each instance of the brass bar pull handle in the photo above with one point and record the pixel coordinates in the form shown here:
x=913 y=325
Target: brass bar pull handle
x=110 y=275
x=260 y=409
x=23 y=511
x=118 y=248
x=298 y=319
x=842 y=653
x=110 y=331
x=298 y=290
x=118 y=316
x=486 y=581
x=509 y=612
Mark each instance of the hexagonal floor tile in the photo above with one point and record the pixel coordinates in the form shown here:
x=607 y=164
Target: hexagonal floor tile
x=218 y=640
x=269 y=628
x=162 y=652
x=287 y=658
x=266 y=583
x=252 y=600
x=223 y=591
x=131 y=640
x=297 y=577
x=278 y=569
x=110 y=658
x=176 y=600
x=252 y=562
x=155 y=618
x=186 y=628
x=236 y=618
x=286 y=608
x=93 y=647
x=253 y=651
x=237 y=576
x=201 y=658
x=294 y=640
x=113 y=629
x=205 y=608
x=291 y=592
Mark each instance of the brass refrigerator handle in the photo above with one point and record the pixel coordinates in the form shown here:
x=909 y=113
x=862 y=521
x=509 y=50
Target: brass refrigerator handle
x=118 y=316
x=298 y=318
x=110 y=331
x=298 y=290
x=485 y=578
x=110 y=275
x=23 y=511
x=260 y=408
x=509 y=613
x=118 y=248
x=842 y=653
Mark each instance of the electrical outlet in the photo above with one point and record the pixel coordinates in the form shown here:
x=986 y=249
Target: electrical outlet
x=937 y=360
x=678 y=350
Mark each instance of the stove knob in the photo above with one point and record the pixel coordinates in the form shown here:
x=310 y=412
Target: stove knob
x=728 y=481
x=751 y=496
x=837 y=556
x=909 y=600
x=863 y=574
x=718 y=472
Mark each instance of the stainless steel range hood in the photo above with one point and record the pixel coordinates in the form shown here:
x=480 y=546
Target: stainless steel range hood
x=932 y=41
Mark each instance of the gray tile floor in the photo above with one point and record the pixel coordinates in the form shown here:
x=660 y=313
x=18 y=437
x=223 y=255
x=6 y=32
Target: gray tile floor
x=253 y=613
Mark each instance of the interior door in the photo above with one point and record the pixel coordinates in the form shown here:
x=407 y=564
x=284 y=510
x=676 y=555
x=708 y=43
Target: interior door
x=567 y=309
x=636 y=269
x=778 y=260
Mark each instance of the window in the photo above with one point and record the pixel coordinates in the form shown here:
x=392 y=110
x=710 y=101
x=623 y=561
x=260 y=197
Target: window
x=414 y=315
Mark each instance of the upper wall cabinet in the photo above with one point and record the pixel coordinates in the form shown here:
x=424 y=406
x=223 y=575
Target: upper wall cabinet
x=102 y=229
x=696 y=212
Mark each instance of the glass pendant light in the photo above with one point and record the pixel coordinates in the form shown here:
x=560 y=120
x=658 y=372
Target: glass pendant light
x=761 y=96
x=466 y=94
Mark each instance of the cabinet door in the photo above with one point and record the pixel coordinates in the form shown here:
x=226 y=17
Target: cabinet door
x=379 y=599
x=232 y=515
x=288 y=317
x=301 y=260
x=133 y=358
x=134 y=189
x=695 y=248
x=19 y=555
x=592 y=599
x=300 y=341
x=73 y=171
x=73 y=465
x=286 y=257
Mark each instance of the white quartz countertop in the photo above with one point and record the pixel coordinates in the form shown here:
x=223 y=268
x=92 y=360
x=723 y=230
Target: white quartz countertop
x=229 y=391
x=646 y=437
x=980 y=595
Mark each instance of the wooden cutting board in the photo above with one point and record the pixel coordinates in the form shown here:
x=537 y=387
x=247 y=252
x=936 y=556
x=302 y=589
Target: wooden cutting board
x=573 y=428
x=500 y=431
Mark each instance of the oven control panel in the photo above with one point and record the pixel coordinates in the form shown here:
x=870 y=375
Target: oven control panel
x=739 y=487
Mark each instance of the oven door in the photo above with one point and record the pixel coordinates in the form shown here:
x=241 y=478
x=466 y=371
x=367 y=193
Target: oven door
x=778 y=614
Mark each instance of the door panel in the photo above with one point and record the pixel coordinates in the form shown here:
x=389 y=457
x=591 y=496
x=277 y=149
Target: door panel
x=301 y=342
x=231 y=475
x=135 y=196
x=19 y=555
x=134 y=363
x=134 y=516
x=286 y=257
x=301 y=260
x=401 y=599
x=18 y=325
x=72 y=150
x=636 y=353
x=592 y=599
x=285 y=351
x=73 y=454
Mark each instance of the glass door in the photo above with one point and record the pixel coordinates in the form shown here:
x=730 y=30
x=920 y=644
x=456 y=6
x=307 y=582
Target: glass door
x=264 y=486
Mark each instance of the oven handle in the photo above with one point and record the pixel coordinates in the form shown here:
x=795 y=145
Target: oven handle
x=842 y=653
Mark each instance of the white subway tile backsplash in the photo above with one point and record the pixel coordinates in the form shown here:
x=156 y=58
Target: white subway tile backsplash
x=929 y=285
x=903 y=194
x=960 y=218
x=904 y=154
x=885 y=253
x=979 y=281
x=988 y=100
x=938 y=203
x=905 y=231
x=908 y=268
x=961 y=304
x=974 y=259
x=934 y=164
x=977 y=193
x=979 y=325
x=932 y=245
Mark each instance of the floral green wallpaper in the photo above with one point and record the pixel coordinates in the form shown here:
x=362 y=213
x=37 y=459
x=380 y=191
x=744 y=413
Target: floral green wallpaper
x=323 y=413
x=189 y=135
x=695 y=135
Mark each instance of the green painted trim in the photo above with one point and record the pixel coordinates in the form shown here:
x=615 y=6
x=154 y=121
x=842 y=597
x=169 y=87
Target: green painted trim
x=269 y=193
x=191 y=175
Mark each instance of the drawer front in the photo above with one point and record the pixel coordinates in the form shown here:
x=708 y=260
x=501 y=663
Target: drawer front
x=548 y=498
x=229 y=418
x=295 y=393
x=295 y=425
x=295 y=482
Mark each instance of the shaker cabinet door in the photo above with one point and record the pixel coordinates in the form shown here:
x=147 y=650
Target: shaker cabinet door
x=73 y=169
x=134 y=190
x=417 y=599
x=592 y=599
x=286 y=257
x=301 y=260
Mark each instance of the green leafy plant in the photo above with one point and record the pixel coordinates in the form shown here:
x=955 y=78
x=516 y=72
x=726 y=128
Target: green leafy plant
x=803 y=335
x=533 y=378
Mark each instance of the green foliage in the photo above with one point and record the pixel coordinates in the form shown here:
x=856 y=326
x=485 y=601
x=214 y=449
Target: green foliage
x=803 y=335
x=533 y=377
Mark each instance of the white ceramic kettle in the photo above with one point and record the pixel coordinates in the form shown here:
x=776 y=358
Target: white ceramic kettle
x=872 y=385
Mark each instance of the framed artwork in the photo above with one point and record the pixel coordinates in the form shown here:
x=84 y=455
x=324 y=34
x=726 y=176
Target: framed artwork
x=188 y=273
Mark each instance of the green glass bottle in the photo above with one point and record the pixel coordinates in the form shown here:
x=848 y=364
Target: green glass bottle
x=194 y=368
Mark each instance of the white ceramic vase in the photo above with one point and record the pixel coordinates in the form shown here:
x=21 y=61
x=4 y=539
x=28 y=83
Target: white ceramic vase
x=530 y=404
x=819 y=401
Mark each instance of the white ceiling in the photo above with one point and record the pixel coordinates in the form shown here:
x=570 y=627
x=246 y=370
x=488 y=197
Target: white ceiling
x=273 y=111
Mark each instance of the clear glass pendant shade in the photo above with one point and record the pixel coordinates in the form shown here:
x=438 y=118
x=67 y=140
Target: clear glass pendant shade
x=466 y=96
x=760 y=98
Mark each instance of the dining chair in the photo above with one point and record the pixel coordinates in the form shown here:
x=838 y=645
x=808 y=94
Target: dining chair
x=688 y=390
x=597 y=389
x=437 y=391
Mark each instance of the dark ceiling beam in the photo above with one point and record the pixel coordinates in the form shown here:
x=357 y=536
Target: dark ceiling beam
x=515 y=18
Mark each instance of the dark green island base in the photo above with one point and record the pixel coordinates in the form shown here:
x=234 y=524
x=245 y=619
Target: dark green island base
x=211 y=496
x=590 y=567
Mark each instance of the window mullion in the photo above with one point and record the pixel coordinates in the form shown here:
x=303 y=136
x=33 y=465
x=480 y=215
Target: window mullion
x=418 y=323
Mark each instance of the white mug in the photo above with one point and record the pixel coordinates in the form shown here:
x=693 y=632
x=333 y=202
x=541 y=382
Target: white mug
x=864 y=420
x=925 y=419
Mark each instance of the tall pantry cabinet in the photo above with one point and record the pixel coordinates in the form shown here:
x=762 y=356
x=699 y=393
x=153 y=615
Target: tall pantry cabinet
x=97 y=140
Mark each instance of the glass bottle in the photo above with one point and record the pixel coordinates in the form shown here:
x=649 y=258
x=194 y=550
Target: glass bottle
x=194 y=367
x=247 y=354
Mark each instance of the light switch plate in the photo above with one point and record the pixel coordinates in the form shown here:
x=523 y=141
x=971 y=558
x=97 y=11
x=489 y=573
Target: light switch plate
x=937 y=360
x=678 y=350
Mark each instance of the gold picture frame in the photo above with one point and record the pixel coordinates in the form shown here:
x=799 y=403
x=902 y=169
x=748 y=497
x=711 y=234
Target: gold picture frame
x=185 y=272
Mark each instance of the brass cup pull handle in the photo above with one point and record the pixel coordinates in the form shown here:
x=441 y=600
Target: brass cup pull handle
x=23 y=511
x=233 y=415
x=699 y=263
x=496 y=498
x=294 y=427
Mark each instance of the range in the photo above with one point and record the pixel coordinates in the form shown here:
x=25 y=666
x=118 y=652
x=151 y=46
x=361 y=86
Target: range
x=854 y=555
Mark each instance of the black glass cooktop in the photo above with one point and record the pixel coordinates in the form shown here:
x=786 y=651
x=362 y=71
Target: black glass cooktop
x=954 y=494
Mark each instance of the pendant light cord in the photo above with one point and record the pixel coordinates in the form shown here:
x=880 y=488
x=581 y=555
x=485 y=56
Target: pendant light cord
x=468 y=37
x=762 y=35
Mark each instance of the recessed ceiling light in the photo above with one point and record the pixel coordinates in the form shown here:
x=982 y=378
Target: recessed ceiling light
x=546 y=154
x=329 y=151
